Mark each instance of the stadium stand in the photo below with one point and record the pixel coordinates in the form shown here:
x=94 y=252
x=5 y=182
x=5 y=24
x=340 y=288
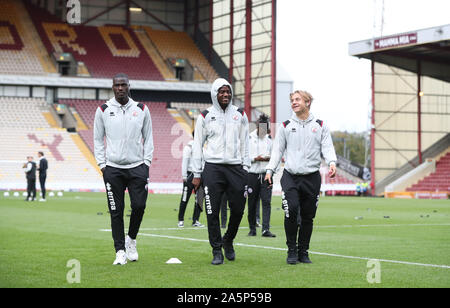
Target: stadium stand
x=436 y=181
x=169 y=137
x=25 y=131
x=154 y=54
x=21 y=51
x=168 y=43
x=340 y=185
x=95 y=46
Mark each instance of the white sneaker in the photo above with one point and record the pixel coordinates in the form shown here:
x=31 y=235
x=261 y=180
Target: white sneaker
x=121 y=258
x=180 y=224
x=198 y=224
x=130 y=246
x=42 y=200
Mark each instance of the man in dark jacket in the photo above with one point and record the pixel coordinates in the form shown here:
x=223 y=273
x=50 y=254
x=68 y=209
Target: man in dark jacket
x=43 y=166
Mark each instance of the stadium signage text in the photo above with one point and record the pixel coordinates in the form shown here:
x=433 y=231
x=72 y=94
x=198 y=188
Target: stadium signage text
x=394 y=41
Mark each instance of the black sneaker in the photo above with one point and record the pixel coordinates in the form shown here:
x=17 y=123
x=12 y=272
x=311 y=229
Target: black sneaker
x=229 y=251
x=252 y=233
x=292 y=257
x=267 y=233
x=217 y=258
x=303 y=257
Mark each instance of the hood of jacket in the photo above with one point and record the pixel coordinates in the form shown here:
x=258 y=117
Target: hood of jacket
x=217 y=84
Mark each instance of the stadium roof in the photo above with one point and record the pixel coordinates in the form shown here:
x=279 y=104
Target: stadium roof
x=429 y=47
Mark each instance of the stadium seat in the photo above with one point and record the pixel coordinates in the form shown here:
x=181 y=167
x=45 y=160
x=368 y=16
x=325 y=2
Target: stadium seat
x=438 y=180
x=24 y=131
x=168 y=44
x=168 y=138
x=105 y=51
x=21 y=50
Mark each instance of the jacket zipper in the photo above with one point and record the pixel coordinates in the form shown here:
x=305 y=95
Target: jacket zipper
x=124 y=124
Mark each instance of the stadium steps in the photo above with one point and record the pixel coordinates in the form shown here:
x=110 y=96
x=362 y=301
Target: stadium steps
x=175 y=44
x=50 y=119
x=438 y=180
x=80 y=123
x=434 y=151
x=82 y=70
x=22 y=50
x=85 y=151
x=176 y=114
x=167 y=139
x=24 y=131
x=33 y=37
x=154 y=55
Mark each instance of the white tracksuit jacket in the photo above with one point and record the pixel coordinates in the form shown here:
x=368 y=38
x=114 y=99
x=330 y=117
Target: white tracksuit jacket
x=259 y=146
x=302 y=142
x=225 y=134
x=186 y=163
x=128 y=131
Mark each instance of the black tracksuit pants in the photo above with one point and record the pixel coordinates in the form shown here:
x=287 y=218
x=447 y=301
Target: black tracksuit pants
x=300 y=198
x=31 y=188
x=116 y=181
x=42 y=178
x=259 y=189
x=185 y=196
x=217 y=180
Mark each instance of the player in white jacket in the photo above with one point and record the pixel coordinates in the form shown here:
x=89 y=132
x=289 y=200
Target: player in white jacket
x=223 y=128
x=127 y=127
x=302 y=139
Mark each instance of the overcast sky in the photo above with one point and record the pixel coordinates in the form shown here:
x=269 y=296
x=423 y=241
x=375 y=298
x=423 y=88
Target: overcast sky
x=312 y=47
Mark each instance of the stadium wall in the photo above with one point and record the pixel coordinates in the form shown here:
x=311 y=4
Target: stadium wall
x=396 y=113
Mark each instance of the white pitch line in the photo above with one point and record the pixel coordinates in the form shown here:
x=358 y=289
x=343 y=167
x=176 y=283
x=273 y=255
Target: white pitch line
x=384 y=225
x=284 y=249
x=318 y=227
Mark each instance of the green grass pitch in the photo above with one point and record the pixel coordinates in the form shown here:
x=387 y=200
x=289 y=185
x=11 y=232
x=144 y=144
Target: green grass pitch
x=38 y=239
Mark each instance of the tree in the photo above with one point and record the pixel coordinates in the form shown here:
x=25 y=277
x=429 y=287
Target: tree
x=351 y=146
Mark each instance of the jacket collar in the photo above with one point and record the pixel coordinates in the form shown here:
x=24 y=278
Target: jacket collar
x=302 y=122
x=254 y=134
x=115 y=103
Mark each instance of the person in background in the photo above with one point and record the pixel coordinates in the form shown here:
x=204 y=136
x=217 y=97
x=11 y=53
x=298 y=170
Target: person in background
x=358 y=189
x=186 y=173
x=30 y=171
x=365 y=188
x=260 y=146
x=42 y=168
